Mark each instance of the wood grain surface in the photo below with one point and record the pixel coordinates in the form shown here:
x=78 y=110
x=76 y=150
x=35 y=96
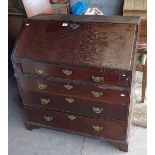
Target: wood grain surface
x=110 y=129
x=76 y=105
x=93 y=44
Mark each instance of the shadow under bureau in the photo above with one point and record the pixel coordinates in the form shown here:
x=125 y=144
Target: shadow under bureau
x=75 y=74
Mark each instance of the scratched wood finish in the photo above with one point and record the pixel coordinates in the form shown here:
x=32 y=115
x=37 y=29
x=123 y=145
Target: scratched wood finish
x=109 y=95
x=86 y=19
x=76 y=105
x=85 y=47
x=114 y=77
x=110 y=129
x=100 y=44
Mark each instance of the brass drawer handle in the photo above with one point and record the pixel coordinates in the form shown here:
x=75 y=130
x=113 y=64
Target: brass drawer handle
x=97 y=110
x=39 y=71
x=45 y=101
x=48 y=118
x=69 y=100
x=71 y=117
x=67 y=72
x=97 y=94
x=42 y=86
x=97 y=128
x=74 y=26
x=97 y=79
x=68 y=87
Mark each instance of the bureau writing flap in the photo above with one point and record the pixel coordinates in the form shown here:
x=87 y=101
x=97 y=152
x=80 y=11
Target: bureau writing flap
x=91 y=41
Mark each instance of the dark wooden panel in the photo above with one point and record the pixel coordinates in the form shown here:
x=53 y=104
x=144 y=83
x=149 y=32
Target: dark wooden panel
x=16 y=12
x=87 y=19
x=15 y=4
x=108 y=129
x=91 y=44
x=15 y=23
x=92 y=75
x=76 y=105
x=89 y=92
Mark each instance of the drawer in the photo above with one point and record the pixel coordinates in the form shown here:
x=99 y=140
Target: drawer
x=76 y=123
x=91 y=92
x=92 y=75
x=76 y=105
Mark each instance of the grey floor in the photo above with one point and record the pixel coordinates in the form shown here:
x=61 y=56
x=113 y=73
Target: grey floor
x=50 y=142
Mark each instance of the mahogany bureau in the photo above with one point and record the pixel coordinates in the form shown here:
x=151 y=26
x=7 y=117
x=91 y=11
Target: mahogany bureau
x=75 y=74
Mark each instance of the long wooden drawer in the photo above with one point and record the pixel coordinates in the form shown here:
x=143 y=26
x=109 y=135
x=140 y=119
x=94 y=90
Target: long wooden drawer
x=91 y=126
x=94 y=75
x=91 y=92
x=76 y=105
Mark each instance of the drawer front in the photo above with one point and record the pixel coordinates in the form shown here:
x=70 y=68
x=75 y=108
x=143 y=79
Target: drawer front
x=91 y=126
x=76 y=90
x=75 y=105
x=79 y=74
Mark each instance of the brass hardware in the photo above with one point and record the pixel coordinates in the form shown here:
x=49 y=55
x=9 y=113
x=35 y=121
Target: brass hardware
x=71 y=117
x=48 y=118
x=74 y=26
x=67 y=72
x=69 y=100
x=97 y=110
x=39 y=71
x=42 y=86
x=97 y=79
x=45 y=101
x=97 y=128
x=68 y=87
x=97 y=94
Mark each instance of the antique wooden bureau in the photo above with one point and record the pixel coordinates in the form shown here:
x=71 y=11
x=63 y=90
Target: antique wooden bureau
x=75 y=74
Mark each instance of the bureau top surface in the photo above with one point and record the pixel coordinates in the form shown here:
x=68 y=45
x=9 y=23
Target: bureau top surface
x=99 y=41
